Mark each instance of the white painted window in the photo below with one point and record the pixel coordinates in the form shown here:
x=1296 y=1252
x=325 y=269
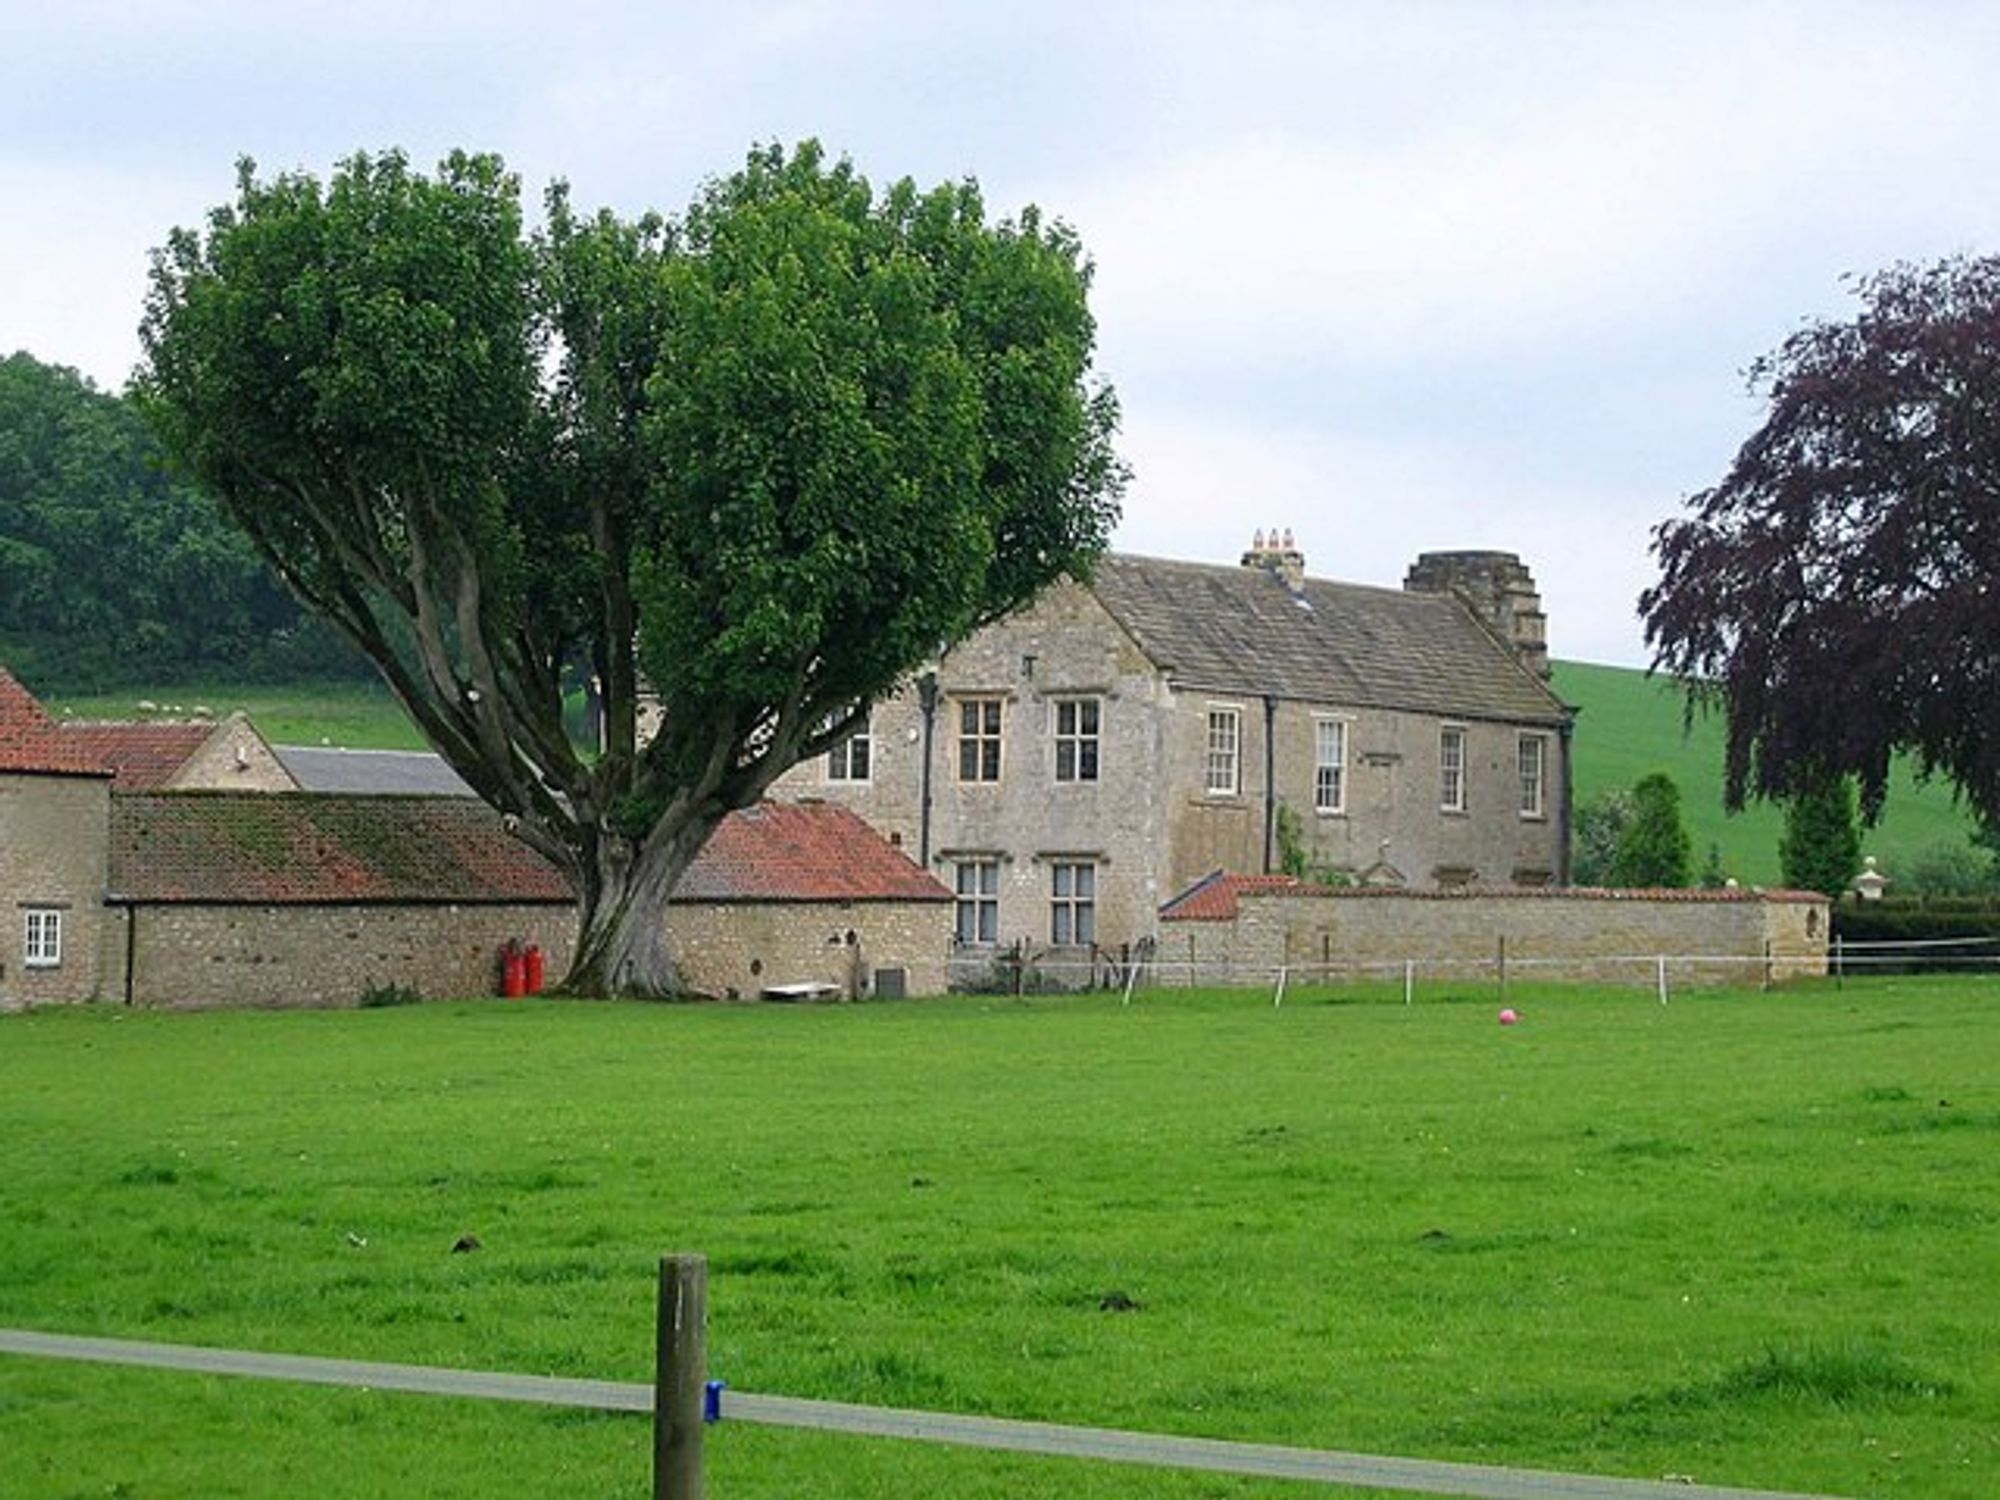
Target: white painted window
x=41 y=946
x=1073 y=902
x=1451 y=768
x=976 y=883
x=1077 y=724
x=1329 y=765
x=853 y=758
x=979 y=739
x=1534 y=767
x=1221 y=774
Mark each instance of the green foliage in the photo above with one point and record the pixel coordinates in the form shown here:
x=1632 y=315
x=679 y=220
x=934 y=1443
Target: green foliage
x=1821 y=847
x=294 y=1182
x=1654 y=851
x=778 y=453
x=1601 y=821
x=1713 y=877
x=1945 y=869
x=1899 y=919
x=1299 y=862
x=1631 y=724
x=112 y=572
x=1833 y=593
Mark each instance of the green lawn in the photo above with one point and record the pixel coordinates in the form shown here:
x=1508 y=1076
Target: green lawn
x=1631 y=725
x=356 y=715
x=1749 y=1238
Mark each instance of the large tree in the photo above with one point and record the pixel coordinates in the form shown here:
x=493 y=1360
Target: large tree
x=1838 y=593
x=762 y=460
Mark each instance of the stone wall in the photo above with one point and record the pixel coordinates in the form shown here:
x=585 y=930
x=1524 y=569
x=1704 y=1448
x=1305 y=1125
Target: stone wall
x=202 y=956
x=53 y=853
x=733 y=950
x=1605 y=937
x=235 y=758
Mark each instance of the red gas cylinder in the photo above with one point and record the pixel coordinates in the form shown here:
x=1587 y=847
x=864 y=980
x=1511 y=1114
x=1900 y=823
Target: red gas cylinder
x=513 y=971
x=533 y=970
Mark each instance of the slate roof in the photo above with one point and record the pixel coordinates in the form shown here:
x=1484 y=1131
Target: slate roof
x=30 y=743
x=281 y=848
x=377 y=772
x=1241 y=630
x=803 y=851
x=142 y=757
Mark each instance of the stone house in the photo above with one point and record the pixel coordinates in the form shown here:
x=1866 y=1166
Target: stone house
x=54 y=820
x=1067 y=770
x=183 y=898
x=804 y=900
x=225 y=755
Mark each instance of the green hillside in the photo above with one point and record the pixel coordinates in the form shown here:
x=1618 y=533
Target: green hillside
x=1629 y=724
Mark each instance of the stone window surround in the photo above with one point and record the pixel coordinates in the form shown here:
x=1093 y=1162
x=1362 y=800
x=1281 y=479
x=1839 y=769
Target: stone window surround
x=41 y=935
x=1534 y=789
x=1452 y=768
x=1072 y=902
x=987 y=743
x=1085 y=744
x=840 y=758
x=1217 y=756
x=975 y=889
x=1337 y=806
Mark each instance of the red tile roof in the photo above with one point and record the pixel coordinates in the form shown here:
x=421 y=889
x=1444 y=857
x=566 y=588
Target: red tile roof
x=143 y=757
x=30 y=743
x=803 y=851
x=1216 y=897
x=1213 y=898
x=279 y=848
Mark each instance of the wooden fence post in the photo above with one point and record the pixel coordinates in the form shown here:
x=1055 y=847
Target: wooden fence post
x=680 y=1377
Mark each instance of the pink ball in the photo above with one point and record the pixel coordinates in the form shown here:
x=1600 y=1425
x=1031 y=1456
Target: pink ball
x=1508 y=1018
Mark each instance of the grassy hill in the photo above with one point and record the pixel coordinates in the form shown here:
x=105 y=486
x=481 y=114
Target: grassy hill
x=1630 y=725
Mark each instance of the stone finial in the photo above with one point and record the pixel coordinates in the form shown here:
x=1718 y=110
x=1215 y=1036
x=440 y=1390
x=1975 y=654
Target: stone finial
x=1869 y=883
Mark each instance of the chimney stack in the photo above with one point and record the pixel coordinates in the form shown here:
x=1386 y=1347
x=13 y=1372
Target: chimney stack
x=1499 y=589
x=1279 y=556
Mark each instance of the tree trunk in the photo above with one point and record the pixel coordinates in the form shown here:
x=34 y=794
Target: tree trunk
x=622 y=915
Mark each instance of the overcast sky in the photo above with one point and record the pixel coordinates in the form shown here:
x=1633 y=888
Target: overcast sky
x=1399 y=277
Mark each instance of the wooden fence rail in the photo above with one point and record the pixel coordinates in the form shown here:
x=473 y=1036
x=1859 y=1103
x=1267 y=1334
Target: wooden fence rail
x=683 y=1401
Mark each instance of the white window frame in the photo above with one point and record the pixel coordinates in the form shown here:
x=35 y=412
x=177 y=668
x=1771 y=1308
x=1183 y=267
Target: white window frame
x=1535 y=778
x=1329 y=773
x=840 y=759
x=1452 y=762
x=976 y=895
x=1073 y=903
x=1082 y=738
x=1222 y=752
x=41 y=937
x=981 y=727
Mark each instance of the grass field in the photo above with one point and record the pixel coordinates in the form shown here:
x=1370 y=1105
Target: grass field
x=1631 y=725
x=356 y=715
x=1748 y=1238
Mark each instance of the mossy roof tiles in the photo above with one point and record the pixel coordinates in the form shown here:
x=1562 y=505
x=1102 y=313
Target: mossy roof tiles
x=279 y=848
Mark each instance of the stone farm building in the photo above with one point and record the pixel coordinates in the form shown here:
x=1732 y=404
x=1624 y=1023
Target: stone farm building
x=1071 y=768
x=171 y=898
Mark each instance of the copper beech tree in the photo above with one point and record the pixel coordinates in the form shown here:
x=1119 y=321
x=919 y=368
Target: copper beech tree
x=763 y=459
x=1838 y=593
